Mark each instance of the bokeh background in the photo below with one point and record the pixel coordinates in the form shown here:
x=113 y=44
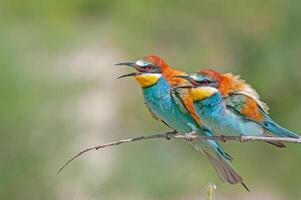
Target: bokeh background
x=59 y=95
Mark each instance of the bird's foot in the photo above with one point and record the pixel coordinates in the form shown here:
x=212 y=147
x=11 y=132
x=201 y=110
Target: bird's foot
x=170 y=135
x=223 y=138
x=189 y=136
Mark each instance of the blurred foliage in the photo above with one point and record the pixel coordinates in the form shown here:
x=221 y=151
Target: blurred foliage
x=259 y=40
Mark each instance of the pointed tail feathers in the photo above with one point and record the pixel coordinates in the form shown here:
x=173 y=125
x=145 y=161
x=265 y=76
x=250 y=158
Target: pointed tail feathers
x=220 y=160
x=277 y=144
x=225 y=172
x=274 y=128
x=224 y=169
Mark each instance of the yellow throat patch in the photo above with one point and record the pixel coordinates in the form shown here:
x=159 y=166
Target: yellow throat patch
x=200 y=93
x=147 y=79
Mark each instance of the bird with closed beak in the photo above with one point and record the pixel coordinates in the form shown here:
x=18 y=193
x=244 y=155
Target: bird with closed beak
x=228 y=105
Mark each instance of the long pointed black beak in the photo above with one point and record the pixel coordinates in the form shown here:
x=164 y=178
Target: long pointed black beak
x=128 y=75
x=183 y=87
x=186 y=77
x=127 y=64
x=133 y=65
x=174 y=89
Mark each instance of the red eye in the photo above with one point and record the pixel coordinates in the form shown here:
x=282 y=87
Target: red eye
x=205 y=82
x=193 y=82
x=148 y=68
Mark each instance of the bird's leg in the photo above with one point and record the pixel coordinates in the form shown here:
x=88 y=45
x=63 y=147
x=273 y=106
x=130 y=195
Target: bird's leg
x=188 y=136
x=170 y=134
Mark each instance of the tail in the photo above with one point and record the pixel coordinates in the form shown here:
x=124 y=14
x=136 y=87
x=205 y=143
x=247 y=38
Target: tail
x=275 y=129
x=277 y=144
x=220 y=160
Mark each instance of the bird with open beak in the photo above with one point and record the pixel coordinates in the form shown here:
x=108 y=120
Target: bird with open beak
x=176 y=110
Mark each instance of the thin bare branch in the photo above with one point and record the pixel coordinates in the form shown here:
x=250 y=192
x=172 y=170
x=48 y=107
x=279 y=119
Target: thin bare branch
x=167 y=135
x=188 y=137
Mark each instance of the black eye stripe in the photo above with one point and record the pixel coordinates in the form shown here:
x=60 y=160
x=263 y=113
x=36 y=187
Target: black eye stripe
x=205 y=81
x=153 y=68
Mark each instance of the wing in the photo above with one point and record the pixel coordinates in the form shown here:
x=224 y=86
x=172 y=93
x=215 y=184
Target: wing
x=246 y=106
x=185 y=103
x=249 y=108
x=180 y=96
x=155 y=116
x=239 y=86
x=152 y=113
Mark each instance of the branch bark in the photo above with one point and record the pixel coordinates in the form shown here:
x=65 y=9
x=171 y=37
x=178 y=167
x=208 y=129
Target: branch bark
x=188 y=137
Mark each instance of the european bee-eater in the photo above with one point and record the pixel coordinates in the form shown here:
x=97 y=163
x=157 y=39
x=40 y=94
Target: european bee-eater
x=227 y=105
x=177 y=111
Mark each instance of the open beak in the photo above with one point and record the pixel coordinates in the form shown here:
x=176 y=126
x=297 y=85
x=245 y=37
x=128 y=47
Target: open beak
x=128 y=75
x=133 y=65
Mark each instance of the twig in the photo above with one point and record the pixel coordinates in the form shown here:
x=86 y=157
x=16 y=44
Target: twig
x=188 y=137
x=167 y=135
x=211 y=192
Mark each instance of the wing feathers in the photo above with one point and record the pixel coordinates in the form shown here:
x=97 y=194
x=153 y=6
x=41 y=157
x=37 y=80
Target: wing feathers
x=239 y=86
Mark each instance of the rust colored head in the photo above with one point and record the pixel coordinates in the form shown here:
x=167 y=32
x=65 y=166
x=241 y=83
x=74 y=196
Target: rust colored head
x=223 y=83
x=167 y=71
x=156 y=60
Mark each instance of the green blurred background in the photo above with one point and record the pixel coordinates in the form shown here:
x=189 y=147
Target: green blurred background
x=59 y=95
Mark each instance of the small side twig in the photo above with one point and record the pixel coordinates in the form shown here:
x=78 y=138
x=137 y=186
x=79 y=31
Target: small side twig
x=188 y=137
x=211 y=192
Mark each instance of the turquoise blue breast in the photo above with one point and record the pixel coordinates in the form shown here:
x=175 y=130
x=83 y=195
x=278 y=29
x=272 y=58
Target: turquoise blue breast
x=160 y=101
x=162 y=104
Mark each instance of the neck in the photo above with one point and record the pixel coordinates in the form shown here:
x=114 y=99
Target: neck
x=170 y=74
